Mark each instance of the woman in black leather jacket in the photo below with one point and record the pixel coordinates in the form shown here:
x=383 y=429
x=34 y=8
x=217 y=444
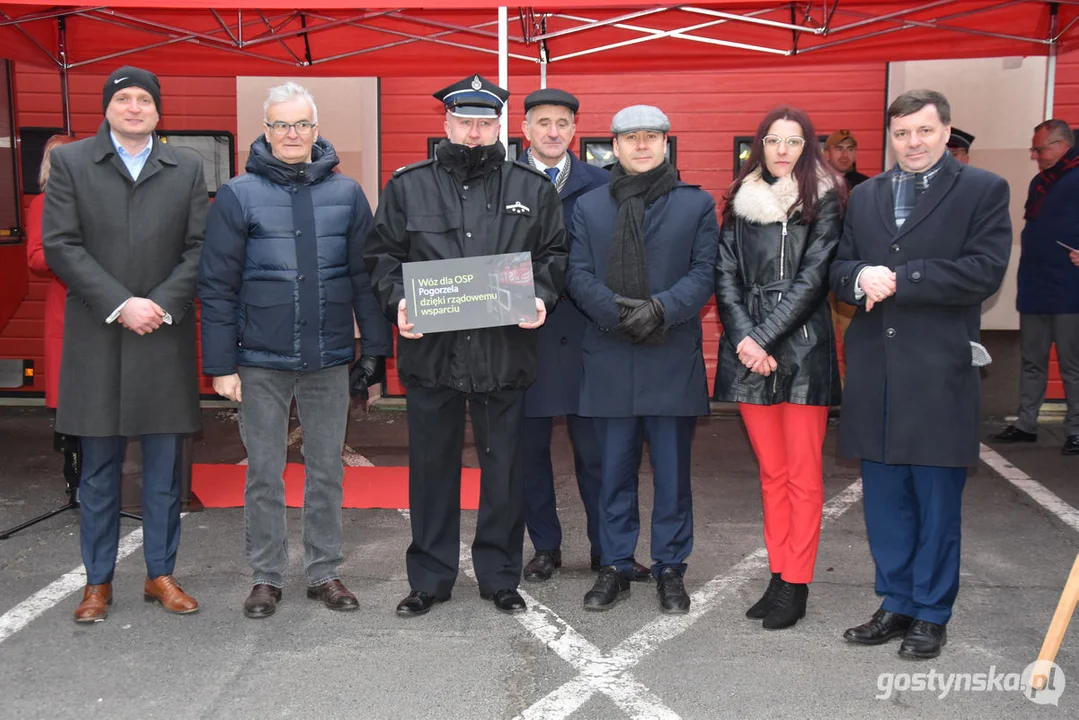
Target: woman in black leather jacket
x=777 y=355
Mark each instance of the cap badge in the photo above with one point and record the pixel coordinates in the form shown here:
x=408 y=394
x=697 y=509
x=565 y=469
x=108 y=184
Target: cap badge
x=476 y=83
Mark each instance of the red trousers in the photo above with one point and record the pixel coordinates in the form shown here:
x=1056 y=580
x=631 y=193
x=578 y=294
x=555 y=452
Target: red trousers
x=788 y=440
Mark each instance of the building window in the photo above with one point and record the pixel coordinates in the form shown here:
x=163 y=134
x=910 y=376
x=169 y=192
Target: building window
x=513 y=151
x=217 y=148
x=599 y=151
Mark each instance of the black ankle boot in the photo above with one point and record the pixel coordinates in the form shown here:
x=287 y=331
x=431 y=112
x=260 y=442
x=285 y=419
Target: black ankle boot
x=762 y=606
x=789 y=606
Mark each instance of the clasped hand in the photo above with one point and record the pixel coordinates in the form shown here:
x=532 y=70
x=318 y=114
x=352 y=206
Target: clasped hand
x=756 y=358
x=878 y=283
x=639 y=319
x=141 y=316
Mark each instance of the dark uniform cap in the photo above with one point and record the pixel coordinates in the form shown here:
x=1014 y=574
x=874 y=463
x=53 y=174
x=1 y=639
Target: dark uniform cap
x=552 y=96
x=960 y=139
x=475 y=96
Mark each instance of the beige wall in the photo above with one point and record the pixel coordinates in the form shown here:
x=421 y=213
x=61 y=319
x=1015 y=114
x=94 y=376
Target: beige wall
x=999 y=101
x=347 y=117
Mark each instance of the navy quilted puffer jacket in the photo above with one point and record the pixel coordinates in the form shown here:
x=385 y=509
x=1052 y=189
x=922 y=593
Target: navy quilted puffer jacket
x=282 y=268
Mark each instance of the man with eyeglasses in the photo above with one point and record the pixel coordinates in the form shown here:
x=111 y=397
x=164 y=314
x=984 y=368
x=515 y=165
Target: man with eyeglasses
x=923 y=246
x=1048 y=297
x=841 y=151
x=466 y=201
x=280 y=278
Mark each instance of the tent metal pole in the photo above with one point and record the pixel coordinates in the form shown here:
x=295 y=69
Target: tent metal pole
x=543 y=75
x=504 y=72
x=1051 y=63
x=65 y=92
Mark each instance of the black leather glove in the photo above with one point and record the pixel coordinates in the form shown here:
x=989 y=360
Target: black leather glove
x=641 y=321
x=367 y=371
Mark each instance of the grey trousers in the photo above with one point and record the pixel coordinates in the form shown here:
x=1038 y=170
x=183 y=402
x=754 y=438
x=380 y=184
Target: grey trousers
x=1037 y=333
x=322 y=400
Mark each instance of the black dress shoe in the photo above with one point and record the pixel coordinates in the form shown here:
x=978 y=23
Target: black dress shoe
x=671 y=592
x=507 y=601
x=611 y=587
x=640 y=573
x=881 y=628
x=262 y=602
x=923 y=641
x=1012 y=434
x=1071 y=446
x=418 y=603
x=542 y=566
x=789 y=607
x=333 y=595
x=762 y=606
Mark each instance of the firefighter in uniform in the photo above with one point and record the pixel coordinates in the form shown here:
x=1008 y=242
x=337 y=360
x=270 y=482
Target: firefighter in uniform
x=467 y=201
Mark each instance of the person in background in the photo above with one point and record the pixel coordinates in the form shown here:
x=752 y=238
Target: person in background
x=55 y=299
x=959 y=143
x=1048 y=297
x=777 y=358
x=841 y=151
x=549 y=124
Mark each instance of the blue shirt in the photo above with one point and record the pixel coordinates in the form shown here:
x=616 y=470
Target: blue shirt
x=134 y=164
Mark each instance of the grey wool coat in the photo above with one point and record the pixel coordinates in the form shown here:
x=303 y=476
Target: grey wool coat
x=110 y=238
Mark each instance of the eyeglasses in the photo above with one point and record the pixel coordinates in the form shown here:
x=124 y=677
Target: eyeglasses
x=304 y=127
x=793 y=142
x=1045 y=147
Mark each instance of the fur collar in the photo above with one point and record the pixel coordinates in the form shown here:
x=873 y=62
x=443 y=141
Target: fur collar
x=761 y=203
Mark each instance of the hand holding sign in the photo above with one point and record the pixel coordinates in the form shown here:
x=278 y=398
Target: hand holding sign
x=403 y=325
x=541 y=317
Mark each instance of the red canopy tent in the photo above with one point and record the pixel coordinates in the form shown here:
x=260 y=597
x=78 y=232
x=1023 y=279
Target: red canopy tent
x=250 y=37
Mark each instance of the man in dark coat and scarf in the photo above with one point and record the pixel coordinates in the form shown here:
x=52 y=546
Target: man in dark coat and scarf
x=641 y=261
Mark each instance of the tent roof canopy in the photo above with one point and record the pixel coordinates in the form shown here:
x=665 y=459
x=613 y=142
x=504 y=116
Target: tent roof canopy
x=579 y=36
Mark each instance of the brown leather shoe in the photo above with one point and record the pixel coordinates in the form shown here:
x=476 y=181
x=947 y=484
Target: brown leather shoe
x=166 y=591
x=95 y=603
x=333 y=595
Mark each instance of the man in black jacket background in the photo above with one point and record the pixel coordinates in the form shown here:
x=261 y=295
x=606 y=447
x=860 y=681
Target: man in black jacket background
x=466 y=202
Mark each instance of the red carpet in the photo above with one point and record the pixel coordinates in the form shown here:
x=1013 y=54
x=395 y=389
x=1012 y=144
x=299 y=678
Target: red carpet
x=222 y=486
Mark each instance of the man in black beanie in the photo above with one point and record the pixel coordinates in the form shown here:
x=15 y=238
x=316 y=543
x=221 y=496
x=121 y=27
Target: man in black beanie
x=128 y=365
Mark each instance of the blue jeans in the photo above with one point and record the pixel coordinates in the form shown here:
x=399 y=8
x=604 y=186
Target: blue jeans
x=322 y=400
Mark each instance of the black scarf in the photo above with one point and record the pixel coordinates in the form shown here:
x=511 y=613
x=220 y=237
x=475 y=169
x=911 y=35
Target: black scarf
x=468 y=163
x=1045 y=181
x=627 y=265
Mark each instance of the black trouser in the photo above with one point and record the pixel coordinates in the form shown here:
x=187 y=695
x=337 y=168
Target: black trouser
x=436 y=428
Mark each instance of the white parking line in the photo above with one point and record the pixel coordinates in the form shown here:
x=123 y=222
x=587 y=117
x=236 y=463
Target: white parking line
x=52 y=594
x=1038 y=492
x=609 y=673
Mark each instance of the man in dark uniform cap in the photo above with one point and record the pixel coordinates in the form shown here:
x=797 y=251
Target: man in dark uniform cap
x=549 y=124
x=458 y=204
x=959 y=144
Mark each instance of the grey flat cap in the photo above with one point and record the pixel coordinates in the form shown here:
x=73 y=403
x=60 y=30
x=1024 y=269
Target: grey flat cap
x=639 y=117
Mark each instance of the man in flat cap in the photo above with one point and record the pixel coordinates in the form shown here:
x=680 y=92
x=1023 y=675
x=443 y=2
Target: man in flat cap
x=467 y=201
x=959 y=143
x=549 y=124
x=123 y=228
x=641 y=269
x=841 y=150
